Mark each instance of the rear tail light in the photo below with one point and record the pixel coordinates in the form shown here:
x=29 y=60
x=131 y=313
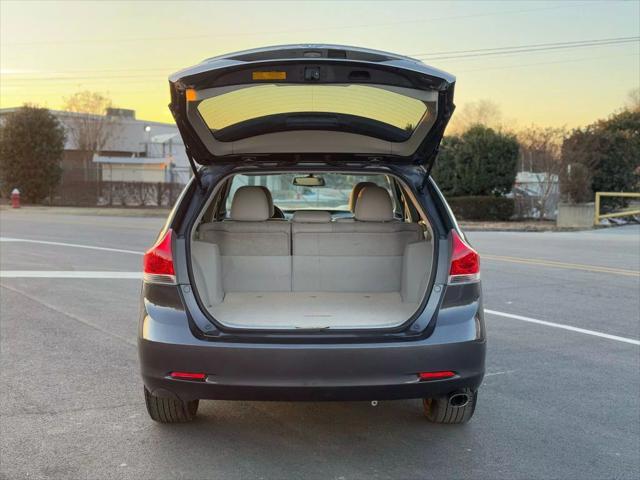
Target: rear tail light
x=188 y=375
x=436 y=375
x=158 y=261
x=465 y=261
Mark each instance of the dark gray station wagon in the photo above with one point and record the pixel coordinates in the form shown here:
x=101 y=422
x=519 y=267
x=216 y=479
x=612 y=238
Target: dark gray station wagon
x=312 y=256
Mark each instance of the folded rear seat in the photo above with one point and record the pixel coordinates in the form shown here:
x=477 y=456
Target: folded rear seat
x=255 y=252
x=365 y=255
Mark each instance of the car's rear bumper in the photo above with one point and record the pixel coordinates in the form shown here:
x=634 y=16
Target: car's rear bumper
x=186 y=390
x=253 y=371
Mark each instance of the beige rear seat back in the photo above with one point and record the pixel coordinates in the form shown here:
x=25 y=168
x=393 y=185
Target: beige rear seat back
x=361 y=256
x=255 y=252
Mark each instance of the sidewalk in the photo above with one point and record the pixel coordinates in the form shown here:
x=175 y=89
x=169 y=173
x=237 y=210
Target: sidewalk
x=95 y=211
x=471 y=226
x=515 y=226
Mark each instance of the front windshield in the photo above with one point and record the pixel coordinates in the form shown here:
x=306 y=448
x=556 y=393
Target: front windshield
x=334 y=195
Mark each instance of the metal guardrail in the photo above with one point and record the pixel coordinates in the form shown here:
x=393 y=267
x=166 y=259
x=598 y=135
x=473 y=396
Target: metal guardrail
x=597 y=216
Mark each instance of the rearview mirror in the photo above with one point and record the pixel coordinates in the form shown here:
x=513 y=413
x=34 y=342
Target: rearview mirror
x=308 y=181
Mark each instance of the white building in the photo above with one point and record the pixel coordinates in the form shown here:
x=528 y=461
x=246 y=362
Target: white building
x=164 y=160
x=134 y=150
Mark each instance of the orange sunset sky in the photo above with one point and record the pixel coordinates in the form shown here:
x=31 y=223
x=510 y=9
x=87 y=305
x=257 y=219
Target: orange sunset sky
x=549 y=63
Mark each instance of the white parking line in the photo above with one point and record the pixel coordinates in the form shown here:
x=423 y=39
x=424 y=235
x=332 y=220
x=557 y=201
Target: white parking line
x=138 y=275
x=68 y=274
x=505 y=372
x=594 y=333
x=76 y=245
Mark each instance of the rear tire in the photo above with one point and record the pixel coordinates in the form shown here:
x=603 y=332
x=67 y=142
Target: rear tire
x=170 y=410
x=438 y=410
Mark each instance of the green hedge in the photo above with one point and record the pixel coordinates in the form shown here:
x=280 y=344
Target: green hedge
x=482 y=208
x=481 y=161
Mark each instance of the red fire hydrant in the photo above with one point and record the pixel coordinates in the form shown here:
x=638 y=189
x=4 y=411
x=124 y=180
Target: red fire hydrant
x=15 y=198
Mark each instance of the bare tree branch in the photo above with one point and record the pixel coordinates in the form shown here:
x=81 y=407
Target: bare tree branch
x=90 y=128
x=480 y=112
x=541 y=154
x=633 y=100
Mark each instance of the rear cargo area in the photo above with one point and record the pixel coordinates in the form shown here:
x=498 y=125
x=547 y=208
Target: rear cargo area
x=311 y=271
x=313 y=309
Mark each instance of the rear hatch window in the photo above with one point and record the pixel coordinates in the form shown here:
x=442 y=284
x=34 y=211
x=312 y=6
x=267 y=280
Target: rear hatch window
x=397 y=113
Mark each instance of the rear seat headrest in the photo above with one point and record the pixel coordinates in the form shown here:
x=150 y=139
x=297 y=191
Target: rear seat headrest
x=357 y=188
x=250 y=204
x=311 y=216
x=374 y=205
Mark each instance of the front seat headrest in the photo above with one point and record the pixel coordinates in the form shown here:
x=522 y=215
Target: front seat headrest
x=272 y=208
x=374 y=205
x=250 y=204
x=353 y=197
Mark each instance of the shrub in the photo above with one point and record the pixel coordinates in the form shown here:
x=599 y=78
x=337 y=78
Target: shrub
x=31 y=147
x=480 y=162
x=576 y=183
x=482 y=208
x=609 y=149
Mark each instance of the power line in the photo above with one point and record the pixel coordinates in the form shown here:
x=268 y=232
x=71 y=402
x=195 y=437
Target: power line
x=324 y=28
x=532 y=50
x=455 y=54
x=532 y=45
x=76 y=79
x=111 y=70
x=519 y=65
x=426 y=56
x=116 y=89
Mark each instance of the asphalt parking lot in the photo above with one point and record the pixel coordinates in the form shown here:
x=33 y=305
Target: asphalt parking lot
x=561 y=398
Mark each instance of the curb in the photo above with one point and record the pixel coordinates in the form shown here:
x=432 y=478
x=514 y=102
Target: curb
x=93 y=211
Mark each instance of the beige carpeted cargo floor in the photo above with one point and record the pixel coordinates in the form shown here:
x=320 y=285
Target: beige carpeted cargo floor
x=312 y=310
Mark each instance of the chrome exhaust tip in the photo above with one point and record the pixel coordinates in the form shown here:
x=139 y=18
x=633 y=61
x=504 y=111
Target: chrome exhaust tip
x=458 y=399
